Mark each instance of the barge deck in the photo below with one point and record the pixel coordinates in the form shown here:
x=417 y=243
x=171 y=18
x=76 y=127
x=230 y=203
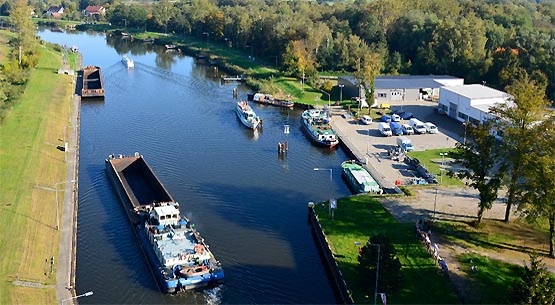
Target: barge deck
x=177 y=253
x=92 y=82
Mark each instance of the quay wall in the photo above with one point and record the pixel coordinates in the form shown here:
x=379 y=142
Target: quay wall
x=339 y=285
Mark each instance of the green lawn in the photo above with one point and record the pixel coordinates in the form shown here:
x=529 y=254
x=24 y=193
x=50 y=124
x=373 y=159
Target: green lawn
x=431 y=159
x=356 y=219
x=28 y=157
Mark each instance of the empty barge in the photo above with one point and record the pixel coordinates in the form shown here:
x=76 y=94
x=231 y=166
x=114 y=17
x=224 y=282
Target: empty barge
x=92 y=82
x=177 y=253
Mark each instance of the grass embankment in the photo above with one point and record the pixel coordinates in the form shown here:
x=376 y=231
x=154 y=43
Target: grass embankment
x=29 y=157
x=431 y=159
x=510 y=242
x=357 y=218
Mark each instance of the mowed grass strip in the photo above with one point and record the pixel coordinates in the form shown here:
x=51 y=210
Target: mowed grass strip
x=29 y=157
x=356 y=219
x=432 y=159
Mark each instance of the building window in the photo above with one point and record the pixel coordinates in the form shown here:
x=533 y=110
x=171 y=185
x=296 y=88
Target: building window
x=382 y=95
x=442 y=107
x=463 y=116
x=473 y=121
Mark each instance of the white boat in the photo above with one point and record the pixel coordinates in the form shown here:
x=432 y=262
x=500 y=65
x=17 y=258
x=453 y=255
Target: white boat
x=128 y=62
x=247 y=115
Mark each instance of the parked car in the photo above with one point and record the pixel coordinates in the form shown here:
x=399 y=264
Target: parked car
x=407 y=130
x=366 y=120
x=395 y=117
x=418 y=126
x=385 y=106
x=385 y=118
x=430 y=127
x=384 y=129
x=396 y=128
x=406 y=115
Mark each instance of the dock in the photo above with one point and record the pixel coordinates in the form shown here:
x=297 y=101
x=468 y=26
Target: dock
x=92 y=82
x=238 y=78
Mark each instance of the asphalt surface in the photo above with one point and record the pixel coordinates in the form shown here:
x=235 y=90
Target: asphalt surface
x=65 y=274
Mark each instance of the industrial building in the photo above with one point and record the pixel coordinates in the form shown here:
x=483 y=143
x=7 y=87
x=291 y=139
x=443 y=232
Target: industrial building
x=471 y=103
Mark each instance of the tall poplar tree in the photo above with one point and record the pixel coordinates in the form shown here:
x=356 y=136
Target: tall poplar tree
x=515 y=124
x=25 y=30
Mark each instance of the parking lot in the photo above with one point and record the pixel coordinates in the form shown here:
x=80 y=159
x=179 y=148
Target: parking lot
x=366 y=142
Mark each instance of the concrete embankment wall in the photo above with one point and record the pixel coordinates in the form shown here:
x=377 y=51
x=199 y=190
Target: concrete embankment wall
x=336 y=277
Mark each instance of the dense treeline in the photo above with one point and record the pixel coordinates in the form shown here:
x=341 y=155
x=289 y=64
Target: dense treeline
x=480 y=41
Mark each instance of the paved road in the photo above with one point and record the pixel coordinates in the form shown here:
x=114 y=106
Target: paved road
x=65 y=276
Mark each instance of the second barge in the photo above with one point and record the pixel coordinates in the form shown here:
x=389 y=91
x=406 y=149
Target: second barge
x=92 y=82
x=176 y=252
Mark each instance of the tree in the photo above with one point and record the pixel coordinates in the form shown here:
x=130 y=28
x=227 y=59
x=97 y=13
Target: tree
x=389 y=268
x=163 y=11
x=538 y=188
x=20 y=16
x=515 y=122
x=478 y=158
x=536 y=287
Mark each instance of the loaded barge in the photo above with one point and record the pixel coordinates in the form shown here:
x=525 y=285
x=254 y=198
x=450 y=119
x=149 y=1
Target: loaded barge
x=92 y=82
x=178 y=255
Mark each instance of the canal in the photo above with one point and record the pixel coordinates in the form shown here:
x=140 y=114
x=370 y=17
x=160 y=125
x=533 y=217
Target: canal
x=248 y=202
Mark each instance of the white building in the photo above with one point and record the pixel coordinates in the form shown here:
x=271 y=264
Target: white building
x=411 y=87
x=471 y=102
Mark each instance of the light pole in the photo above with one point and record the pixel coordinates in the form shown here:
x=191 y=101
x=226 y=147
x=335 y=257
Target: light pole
x=86 y=294
x=341 y=92
x=442 y=162
x=56 y=190
x=207 y=36
x=329 y=98
x=435 y=202
x=465 y=124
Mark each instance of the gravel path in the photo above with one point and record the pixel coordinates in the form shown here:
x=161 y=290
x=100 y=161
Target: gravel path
x=455 y=203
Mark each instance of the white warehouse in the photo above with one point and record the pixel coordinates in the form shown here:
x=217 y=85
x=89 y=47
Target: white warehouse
x=471 y=102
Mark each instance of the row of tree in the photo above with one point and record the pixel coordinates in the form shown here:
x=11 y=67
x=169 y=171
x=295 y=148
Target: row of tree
x=22 y=57
x=480 y=41
x=523 y=160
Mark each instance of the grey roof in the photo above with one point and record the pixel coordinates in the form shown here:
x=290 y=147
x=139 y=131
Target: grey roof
x=476 y=91
x=410 y=81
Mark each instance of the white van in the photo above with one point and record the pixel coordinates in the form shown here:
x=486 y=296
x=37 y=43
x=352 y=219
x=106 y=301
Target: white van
x=430 y=127
x=417 y=126
x=366 y=120
x=407 y=130
x=384 y=129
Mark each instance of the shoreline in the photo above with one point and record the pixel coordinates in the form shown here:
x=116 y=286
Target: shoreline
x=65 y=274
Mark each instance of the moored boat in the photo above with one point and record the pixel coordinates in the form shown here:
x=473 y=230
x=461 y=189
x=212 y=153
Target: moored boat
x=128 y=62
x=316 y=124
x=178 y=255
x=359 y=178
x=268 y=99
x=247 y=115
x=93 y=85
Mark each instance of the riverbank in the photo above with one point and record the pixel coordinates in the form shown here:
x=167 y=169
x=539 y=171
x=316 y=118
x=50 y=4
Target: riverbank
x=33 y=164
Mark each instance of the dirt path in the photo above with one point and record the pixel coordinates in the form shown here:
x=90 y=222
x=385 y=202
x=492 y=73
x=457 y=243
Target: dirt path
x=461 y=204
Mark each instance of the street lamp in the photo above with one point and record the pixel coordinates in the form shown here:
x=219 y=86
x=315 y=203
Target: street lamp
x=442 y=162
x=207 y=36
x=86 y=294
x=377 y=269
x=329 y=99
x=341 y=92
x=325 y=169
x=465 y=123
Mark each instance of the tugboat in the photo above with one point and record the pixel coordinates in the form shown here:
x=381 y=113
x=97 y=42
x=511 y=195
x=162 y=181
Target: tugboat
x=178 y=255
x=247 y=115
x=316 y=124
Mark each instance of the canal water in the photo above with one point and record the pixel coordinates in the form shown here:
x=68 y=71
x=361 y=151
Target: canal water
x=248 y=202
